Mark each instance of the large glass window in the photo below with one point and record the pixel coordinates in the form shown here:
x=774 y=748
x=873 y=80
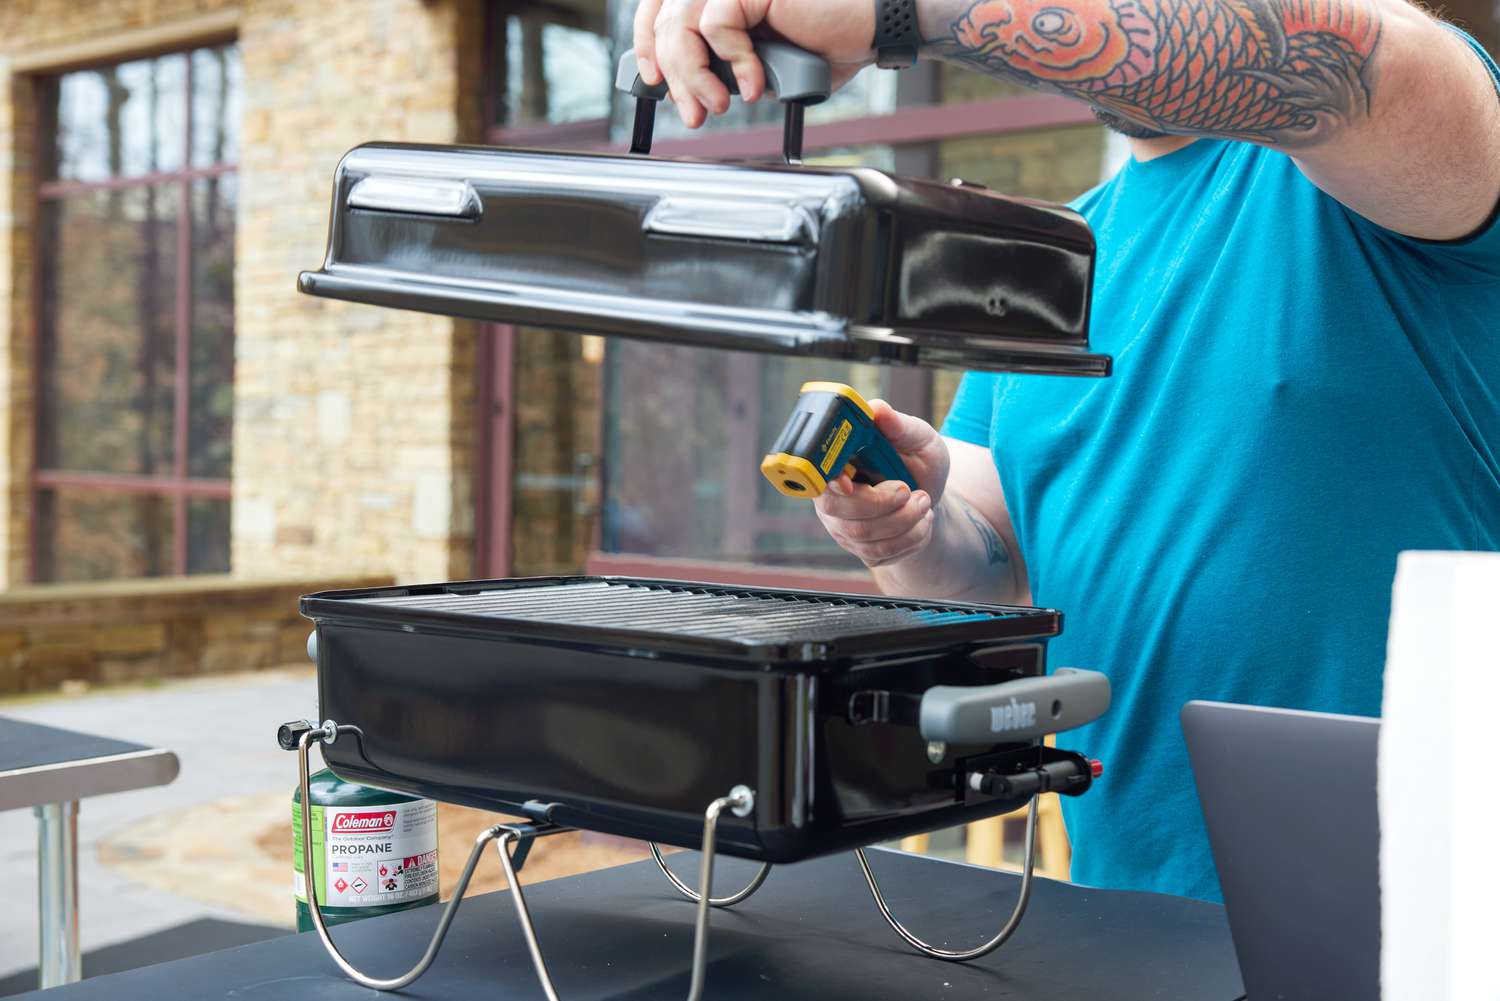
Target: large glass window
x=551 y=64
x=135 y=233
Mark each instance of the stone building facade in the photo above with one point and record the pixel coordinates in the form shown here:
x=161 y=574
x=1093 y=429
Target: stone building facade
x=353 y=438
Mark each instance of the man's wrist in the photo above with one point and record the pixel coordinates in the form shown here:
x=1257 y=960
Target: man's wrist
x=935 y=21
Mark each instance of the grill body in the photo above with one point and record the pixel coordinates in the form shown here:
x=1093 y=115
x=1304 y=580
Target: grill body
x=847 y=264
x=626 y=706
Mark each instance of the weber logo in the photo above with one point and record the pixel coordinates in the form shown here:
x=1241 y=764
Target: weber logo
x=1015 y=716
x=364 y=823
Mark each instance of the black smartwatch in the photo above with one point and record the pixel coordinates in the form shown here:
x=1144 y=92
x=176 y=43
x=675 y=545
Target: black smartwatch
x=896 y=36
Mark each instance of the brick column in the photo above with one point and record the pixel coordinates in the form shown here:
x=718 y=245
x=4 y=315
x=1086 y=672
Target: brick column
x=17 y=253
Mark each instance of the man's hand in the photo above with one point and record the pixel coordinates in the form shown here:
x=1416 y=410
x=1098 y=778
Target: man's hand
x=888 y=522
x=673 y=39
x=951 y=538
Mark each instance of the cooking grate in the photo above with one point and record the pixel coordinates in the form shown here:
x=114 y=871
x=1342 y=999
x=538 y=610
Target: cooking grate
x=738 y=617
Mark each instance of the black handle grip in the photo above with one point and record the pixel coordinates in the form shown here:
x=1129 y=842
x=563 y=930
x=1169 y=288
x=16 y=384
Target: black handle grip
x=794 y=75
x=797 y=78
x=288 y=735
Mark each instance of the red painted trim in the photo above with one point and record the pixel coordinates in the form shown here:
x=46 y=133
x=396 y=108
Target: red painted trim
x=124 y=483
x=493 y=505
x=182 y=387
x=39 y=123
x=743 y=574
x=59 y=189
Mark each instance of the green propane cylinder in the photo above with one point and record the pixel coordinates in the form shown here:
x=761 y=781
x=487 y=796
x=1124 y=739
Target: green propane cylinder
x=374 y=852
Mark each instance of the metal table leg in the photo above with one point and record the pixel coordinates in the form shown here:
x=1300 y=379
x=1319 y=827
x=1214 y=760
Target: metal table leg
x=57 y=858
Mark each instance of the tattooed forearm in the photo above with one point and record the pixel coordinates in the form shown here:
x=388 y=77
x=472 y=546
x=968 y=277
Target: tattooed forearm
x=1277 y=71
x=995 y=550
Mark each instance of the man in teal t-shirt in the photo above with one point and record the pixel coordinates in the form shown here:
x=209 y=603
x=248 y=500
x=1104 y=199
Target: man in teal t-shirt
x=1299 y=280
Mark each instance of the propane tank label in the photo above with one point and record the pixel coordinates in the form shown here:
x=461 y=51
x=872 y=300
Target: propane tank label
x=373 y=856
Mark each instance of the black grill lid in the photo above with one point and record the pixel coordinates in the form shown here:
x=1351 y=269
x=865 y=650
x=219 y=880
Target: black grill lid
x=855 y=264
x=764 y=625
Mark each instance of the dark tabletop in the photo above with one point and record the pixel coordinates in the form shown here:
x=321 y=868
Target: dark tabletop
x=811 y=932
x=28 y=745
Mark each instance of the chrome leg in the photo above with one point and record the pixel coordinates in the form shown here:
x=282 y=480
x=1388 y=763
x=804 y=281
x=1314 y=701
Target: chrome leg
x=444 y=920
x=963 y=955
x=60 y=961
x=512 y=841
x=740 y=801
x=691 y=894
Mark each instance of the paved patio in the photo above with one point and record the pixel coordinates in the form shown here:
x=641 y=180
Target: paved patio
x=205 y=862
x=223 y=730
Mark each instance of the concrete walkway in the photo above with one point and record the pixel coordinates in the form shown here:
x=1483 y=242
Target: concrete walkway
x=223 y=730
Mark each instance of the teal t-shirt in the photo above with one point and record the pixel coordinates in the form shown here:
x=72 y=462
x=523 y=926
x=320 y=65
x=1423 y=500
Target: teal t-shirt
x=1298 y=396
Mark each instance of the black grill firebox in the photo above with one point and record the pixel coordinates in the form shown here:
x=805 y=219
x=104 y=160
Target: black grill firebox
x=626 y=705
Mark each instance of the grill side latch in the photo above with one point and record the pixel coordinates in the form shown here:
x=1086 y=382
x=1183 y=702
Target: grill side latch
x=880 y=706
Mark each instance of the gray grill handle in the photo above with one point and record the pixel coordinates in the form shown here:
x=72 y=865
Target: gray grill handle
x=794 y=75
x=1020 y=710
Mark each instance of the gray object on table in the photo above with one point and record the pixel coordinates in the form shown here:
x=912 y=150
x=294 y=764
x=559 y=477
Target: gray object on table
x=809 y=933
x=1289 y=800
x=50 y=770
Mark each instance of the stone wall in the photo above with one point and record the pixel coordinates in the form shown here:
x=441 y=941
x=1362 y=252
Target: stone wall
x=124 y=631
x=354 y=435
x=355 y=428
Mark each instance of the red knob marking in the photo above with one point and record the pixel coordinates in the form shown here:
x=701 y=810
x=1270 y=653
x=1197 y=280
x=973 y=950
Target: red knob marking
x=1097 y=767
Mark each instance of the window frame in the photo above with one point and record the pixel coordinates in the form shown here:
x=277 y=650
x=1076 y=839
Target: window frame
x=179 y=488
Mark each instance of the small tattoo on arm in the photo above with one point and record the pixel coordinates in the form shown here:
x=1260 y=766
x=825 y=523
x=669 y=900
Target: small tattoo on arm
x=995 y=549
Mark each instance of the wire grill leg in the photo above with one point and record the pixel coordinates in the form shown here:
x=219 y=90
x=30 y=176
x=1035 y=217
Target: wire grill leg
x=508 y=837
x=703 y=896
x=691 y=894
x=964 y=955
x=375 y=983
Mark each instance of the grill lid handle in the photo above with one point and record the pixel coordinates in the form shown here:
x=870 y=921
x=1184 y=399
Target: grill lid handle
x=797 y=77
x=1014 y=711
x=793 y=74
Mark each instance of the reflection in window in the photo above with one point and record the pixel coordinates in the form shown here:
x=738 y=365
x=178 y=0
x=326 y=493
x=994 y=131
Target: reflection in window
x=135 y=245
x=211 y=342
x=217 y=90
x=108 y=352
x=556 y=415
x=557 y=64
x=682 y=467
x=122 y=121
x=90 y=535
x=1055 y=164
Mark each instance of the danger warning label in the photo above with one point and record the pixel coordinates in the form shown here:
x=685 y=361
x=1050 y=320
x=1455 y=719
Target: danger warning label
x=378 y=856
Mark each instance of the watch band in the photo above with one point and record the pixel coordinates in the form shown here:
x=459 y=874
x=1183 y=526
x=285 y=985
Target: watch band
x=896 y=36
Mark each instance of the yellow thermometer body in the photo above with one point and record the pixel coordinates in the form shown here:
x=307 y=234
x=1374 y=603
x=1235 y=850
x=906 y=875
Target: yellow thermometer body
x=830 y=431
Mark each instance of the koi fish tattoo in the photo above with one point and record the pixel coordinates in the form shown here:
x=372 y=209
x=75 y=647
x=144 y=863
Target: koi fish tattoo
x=1278 y=71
